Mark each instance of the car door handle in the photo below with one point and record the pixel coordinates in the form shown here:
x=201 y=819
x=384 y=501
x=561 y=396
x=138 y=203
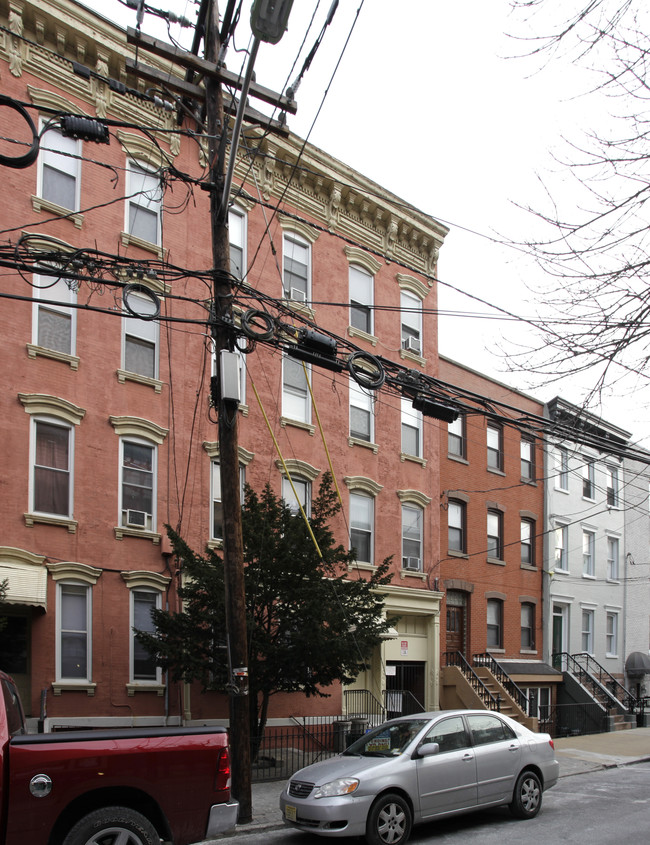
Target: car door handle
x=513 y=747
x=468 y=756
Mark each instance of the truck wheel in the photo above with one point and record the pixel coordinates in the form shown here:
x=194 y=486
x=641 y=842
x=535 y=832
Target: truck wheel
x=113 y=826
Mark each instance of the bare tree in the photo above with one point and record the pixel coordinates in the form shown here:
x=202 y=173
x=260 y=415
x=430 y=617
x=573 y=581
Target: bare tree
x=597 y=251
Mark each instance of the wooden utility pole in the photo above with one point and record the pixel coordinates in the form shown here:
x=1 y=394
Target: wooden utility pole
x=233 y=549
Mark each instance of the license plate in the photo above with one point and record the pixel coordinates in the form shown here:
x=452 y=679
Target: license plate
x=290 y=813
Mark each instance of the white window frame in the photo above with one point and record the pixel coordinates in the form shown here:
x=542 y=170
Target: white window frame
x=495 y=519
x=411 y=421
x=367 y=528
x=412 y=535
x=57 y=423
x=411 y=312
x=528 y=625
x=494 y=441
x=63 y=155
x=363 y=401
x=561 y=562
x=151 y=518
x=456 y=522
x=612 y=483
x=456 y=437
x=59 y=291
x=141 y=332
x=86 y=676
x=290 y=242
x=495 y=625
x=613 y=558
x=611 y=633
x=588 y=479
x=527 y=457
x=587 y=630
x=237 y=234
x=362 y=289
x=157 y=679
x=296 y=402
x=561 y=468
x=215 y=492
x=588 y=553
x=527 y=536
x=303 y=488
x=143 y=196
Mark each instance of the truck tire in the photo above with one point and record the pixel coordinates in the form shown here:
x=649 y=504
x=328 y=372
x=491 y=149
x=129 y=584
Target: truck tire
x=112 y=825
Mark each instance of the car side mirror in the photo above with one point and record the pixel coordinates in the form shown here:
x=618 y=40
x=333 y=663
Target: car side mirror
x=428 y=749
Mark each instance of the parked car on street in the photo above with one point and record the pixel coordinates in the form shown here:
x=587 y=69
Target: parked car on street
x=420 y=767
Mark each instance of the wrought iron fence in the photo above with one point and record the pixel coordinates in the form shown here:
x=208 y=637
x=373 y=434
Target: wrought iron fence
x=572 y=719
x=281 y=751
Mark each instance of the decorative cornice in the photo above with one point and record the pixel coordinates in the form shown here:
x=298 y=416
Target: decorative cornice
x=137 y=427
x=365 y=485
x=53 y=406
x=414 y=497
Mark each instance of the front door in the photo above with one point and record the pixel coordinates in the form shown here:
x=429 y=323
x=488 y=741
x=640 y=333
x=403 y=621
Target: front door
x=404 y=687
x=456 y=629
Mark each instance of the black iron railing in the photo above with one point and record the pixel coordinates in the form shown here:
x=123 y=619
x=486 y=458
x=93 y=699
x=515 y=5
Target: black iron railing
x=456 y=658
x=594 y=677
x=517 y=694
x=401 y=702
x=361 y=702
x=572 y=719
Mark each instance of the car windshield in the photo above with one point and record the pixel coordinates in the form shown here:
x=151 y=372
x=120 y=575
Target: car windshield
x=387 y=740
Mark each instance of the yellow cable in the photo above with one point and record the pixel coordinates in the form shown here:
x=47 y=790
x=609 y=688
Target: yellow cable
x=322 y=435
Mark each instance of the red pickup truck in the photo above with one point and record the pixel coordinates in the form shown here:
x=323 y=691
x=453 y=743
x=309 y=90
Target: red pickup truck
x=111 y=787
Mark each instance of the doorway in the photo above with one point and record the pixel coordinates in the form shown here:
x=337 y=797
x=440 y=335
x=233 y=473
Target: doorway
x=456 y=633
x=404 y=687
x=14 y=653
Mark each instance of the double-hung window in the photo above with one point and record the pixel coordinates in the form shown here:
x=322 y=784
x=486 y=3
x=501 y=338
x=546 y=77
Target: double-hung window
x=141 y=339
x=527 y=449
x=138 y=484
x=495 y=623
x=456 y=526
x=495 y=535
x=494 y=447
x=411 y=429
x=296 y=400
x=412 y=537
x=362 y=520
x=144 y=203
x=588 y=631
x=59 y=170
x=55 y=318
x=527 y=542
x=297 y=268
x=301 y=496
x=362 y=417
x=588 y=479
x=611 y=634
x=561 y=468
x=561 y=547
x=361 y=299
x=216 y=511
x=456 y=437
x=74 y=632
x=527 y=626
x=51 y=486
x=411 y=310
x=611 y=474
x=588 y=554
x=612 y=559
x=143 y=665
x=237 y=238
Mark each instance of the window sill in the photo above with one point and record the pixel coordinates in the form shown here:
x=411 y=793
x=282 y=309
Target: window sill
x=34 y=351
x=299 y=307
x=557 y=571
x=39 y=204
x=359 y=564
x=124 y=376
x=70 y=686
x=406 y=355
x=529 y=481
x=496 y=471
x=615 y=581
x=412 y=459
x=456 y=553
x=588 y=577
x=496 y=561
x=561 y=490
x=458 y=458
x=121 y=532
x=366 y=444
x=149 y=246
x=286 y=421
x=32 y=518
x=215 y=544
x=370 y=338
x=131 y=689
x=528 y=651
x=529 y=567
x=412 y=573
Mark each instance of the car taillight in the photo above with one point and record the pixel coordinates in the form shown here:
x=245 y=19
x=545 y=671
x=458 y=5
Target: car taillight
x=223 y=770
x=550 y=742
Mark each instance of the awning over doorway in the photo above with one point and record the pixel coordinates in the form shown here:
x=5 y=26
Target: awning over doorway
x=26 y=576
x=637 y=664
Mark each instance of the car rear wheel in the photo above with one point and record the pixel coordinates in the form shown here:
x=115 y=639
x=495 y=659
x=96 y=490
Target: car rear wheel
x=389 y=821
x=113 y=826
x=527 y=797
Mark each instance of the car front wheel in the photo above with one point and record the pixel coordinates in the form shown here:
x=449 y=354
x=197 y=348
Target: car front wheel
x=389 y=821
x=527 y=797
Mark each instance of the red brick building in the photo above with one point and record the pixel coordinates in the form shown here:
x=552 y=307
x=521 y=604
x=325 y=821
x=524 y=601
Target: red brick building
x=107 y=432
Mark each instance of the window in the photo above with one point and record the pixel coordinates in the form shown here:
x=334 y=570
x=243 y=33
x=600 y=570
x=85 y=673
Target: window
x=216 y=511
x=141 y=339
x=362 y=518
x=59 y=170
x=527 y=626
x=297 y=268
x=411 y=429
x=612 y=558
x=411 y=309
x=456 y=437
x=237 y=238
x=561 y=546
x=588 y=483
x=527 y=450
x=52 y=468
x=362 y=417
x=303 y=491
x=488 y=729
x=144 y=203
x=361 y=299
x=456 y=525
x=74 y=613
x=494 y=535
x=588 y=631
x=411 y=538
x=611 y=474
x=611 y=634
x=296 y=403
x=588 y=554
x=561 y=468
x=527 y=542
x=495 y=623
x=138 y=473
x=450 y=734
x=143 y=665
x=494 y=447
x=54 y=320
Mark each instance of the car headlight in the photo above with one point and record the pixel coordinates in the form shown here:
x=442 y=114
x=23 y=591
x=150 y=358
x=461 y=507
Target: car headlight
x=341 y=786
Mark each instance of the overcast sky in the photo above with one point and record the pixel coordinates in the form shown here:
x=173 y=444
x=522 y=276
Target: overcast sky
x=430 y=101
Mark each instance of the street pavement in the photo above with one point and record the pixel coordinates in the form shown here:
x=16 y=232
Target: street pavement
x=576 y=754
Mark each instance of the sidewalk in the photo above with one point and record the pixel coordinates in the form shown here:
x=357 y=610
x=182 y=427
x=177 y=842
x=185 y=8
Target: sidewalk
x=576 y=755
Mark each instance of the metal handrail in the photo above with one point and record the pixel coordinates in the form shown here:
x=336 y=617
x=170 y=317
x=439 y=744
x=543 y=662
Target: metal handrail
x=456 y=658
x=408 y=702
x=587 y=677
x=515 y=692
x=363 y=703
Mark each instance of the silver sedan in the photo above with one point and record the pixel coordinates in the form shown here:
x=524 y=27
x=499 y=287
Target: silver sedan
x=421 y=767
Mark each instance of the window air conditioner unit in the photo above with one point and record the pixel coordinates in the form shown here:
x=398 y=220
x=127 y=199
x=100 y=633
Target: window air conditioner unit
x=412 y=344
x=411 y=563
x=298 y=295
x=136 y=519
